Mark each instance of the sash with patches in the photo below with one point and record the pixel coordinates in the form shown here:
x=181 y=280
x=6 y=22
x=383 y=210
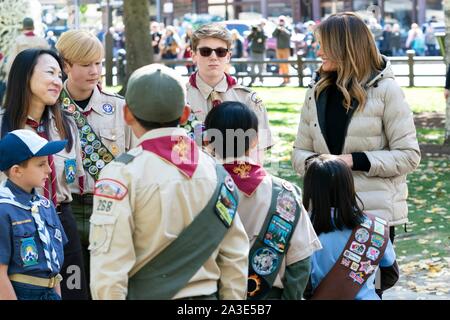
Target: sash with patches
x=180 y=151
x=269 y=249
x=246 y=176
x=193 y=126
x=358 y=261
x=94 y=153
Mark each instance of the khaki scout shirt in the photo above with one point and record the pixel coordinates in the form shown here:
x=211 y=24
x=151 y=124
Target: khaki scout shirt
x=23 y=42
x=160 y=203
x=253 y=212
x=110 y=128
x=63 y=192
x=201 y=102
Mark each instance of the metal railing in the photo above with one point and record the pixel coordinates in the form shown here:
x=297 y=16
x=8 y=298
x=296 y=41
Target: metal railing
x=297 y=63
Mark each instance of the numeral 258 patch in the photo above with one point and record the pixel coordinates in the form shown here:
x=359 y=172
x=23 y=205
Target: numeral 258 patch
x=104 y=205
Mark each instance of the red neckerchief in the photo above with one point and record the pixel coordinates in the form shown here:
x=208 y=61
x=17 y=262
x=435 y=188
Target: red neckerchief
x=39 y=130
x=247 y=176
x=180 y=151
x=29 y=34
x=231 y=82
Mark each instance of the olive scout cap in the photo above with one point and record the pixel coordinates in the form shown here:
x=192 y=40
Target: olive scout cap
x=28 y=23
x=156 y=93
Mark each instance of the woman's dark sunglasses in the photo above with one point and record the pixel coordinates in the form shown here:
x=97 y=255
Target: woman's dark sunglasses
x=206 y=51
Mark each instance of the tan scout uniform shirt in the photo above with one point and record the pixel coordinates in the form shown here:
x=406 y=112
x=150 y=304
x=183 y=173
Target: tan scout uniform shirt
x=110 y=128
x=160 y=203
x=23 y=42
x=63 y=192
x=253 y=210
x=201 y=102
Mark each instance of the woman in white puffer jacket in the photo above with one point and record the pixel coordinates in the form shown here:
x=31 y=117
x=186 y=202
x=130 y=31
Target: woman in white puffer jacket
x=356 y=110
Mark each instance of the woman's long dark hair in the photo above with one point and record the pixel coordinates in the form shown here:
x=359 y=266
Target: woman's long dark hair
x=328 y=184
x=18 y=97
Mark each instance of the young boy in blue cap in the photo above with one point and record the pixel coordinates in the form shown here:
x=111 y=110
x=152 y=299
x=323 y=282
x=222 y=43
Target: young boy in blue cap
x=31 y=235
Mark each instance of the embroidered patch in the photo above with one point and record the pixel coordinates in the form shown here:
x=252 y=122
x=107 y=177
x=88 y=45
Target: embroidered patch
x=345 y=262
x=357 y=277
x=28 y=252
x=108 y=109
x=366 y=267
x=229 y=183
x=372 y=253
x=256 y=285
x=357 y=248
x=382 y=221
x=367 y=223
x=377 y=240
x=287 y=185
x=45 y=203
x=109 y=188
x=226 y=206
x=362 y=235
x=70 y=169
x=378 y=228
x=354 y=266
x=265 y=261
x=352 y=256
x=286 y=206
x=277 y=233
x=58 y=235
x=71 y=108
x=243 y=170
x=15 y=223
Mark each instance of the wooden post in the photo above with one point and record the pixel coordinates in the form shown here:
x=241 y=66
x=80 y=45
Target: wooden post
x=300 y=70
x=109 y=58
x=411 y=54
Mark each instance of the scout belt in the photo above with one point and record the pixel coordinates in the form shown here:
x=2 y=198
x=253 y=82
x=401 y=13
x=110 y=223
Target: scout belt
x=358 y=261
x=165 y=275
x=36 y=281
x=269 y=249
x=94 y=153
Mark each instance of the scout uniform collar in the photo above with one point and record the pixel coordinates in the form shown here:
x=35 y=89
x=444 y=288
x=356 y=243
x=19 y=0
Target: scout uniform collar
x=224 y=85
x=92 y=105
x=247 y=175
x=20 y=195
x=174 y=146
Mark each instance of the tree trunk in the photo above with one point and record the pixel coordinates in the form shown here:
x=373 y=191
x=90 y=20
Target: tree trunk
x=138 y=41
x=447 y=58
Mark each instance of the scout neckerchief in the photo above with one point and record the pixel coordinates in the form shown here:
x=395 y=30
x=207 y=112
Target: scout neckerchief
x=44 y=236
x=193 y=126
x=166 y=274
x=272 y=243
x=357 y=262
x=94 y=154
x=39 y=127
x=247 y=176
x=178 y=150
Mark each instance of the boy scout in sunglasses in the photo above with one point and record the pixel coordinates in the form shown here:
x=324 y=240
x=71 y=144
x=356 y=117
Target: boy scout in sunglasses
x=171 y=232
x=210 y=85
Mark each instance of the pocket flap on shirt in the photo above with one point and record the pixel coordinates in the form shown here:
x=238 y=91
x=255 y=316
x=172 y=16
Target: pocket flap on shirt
x=111 y=134
x=101 y=219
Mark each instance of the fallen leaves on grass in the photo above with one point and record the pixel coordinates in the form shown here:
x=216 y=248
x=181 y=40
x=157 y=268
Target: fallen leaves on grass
x=434 y=274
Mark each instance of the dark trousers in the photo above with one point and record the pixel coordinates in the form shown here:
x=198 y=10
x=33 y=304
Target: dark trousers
x=30 y=292
x=82 y=211
x=74 y=285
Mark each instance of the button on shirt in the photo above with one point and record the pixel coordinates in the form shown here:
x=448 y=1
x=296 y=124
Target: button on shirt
x=109 y=125
x=20 y=246
x=253 y=212
x=333 y=244
x=160 y=202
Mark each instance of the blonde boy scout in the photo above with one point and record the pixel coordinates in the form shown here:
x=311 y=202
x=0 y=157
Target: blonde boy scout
x=98 y=115
x=210 y=85
x=165 y=222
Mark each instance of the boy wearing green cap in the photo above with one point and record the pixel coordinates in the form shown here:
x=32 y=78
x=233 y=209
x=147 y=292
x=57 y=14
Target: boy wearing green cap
x=171 y=232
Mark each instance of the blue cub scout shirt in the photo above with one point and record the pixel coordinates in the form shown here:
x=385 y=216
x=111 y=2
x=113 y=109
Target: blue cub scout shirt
x=20 y=246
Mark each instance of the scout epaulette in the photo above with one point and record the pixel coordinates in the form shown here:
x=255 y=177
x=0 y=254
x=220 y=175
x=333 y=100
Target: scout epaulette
x=357 y=262
x=247 y=176
x=116 y=95
x=94 y=153
x=269 y=249
x=124 y=158
x=180 y=151
x=167 y=273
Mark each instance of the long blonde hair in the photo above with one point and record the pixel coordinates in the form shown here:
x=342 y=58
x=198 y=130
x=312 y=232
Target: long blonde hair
x=347 y=41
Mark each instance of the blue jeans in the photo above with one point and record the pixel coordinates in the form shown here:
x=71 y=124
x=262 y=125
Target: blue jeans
x=30 y=292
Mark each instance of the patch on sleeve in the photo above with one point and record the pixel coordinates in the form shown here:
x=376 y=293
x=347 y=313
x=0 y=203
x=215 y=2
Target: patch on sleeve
x=109 y=188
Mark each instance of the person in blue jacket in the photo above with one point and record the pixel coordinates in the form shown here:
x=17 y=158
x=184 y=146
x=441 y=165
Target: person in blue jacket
x=31 y=235
x=330 y=198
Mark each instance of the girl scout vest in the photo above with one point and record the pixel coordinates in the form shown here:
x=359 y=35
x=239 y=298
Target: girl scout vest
x=171 y=269
x=357 y=262
x=268 y=251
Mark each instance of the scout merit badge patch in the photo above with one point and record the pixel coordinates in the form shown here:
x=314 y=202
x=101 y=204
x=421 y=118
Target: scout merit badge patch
x=277 y=233
x=28 y=252
x=70 y=169
x=358 y=261
x=94 y=153
x=226 y=205
x=247 y=176
x=109 y=188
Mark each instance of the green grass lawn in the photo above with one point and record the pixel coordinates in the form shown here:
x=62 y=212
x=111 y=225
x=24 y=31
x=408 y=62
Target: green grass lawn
x=429 y=186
